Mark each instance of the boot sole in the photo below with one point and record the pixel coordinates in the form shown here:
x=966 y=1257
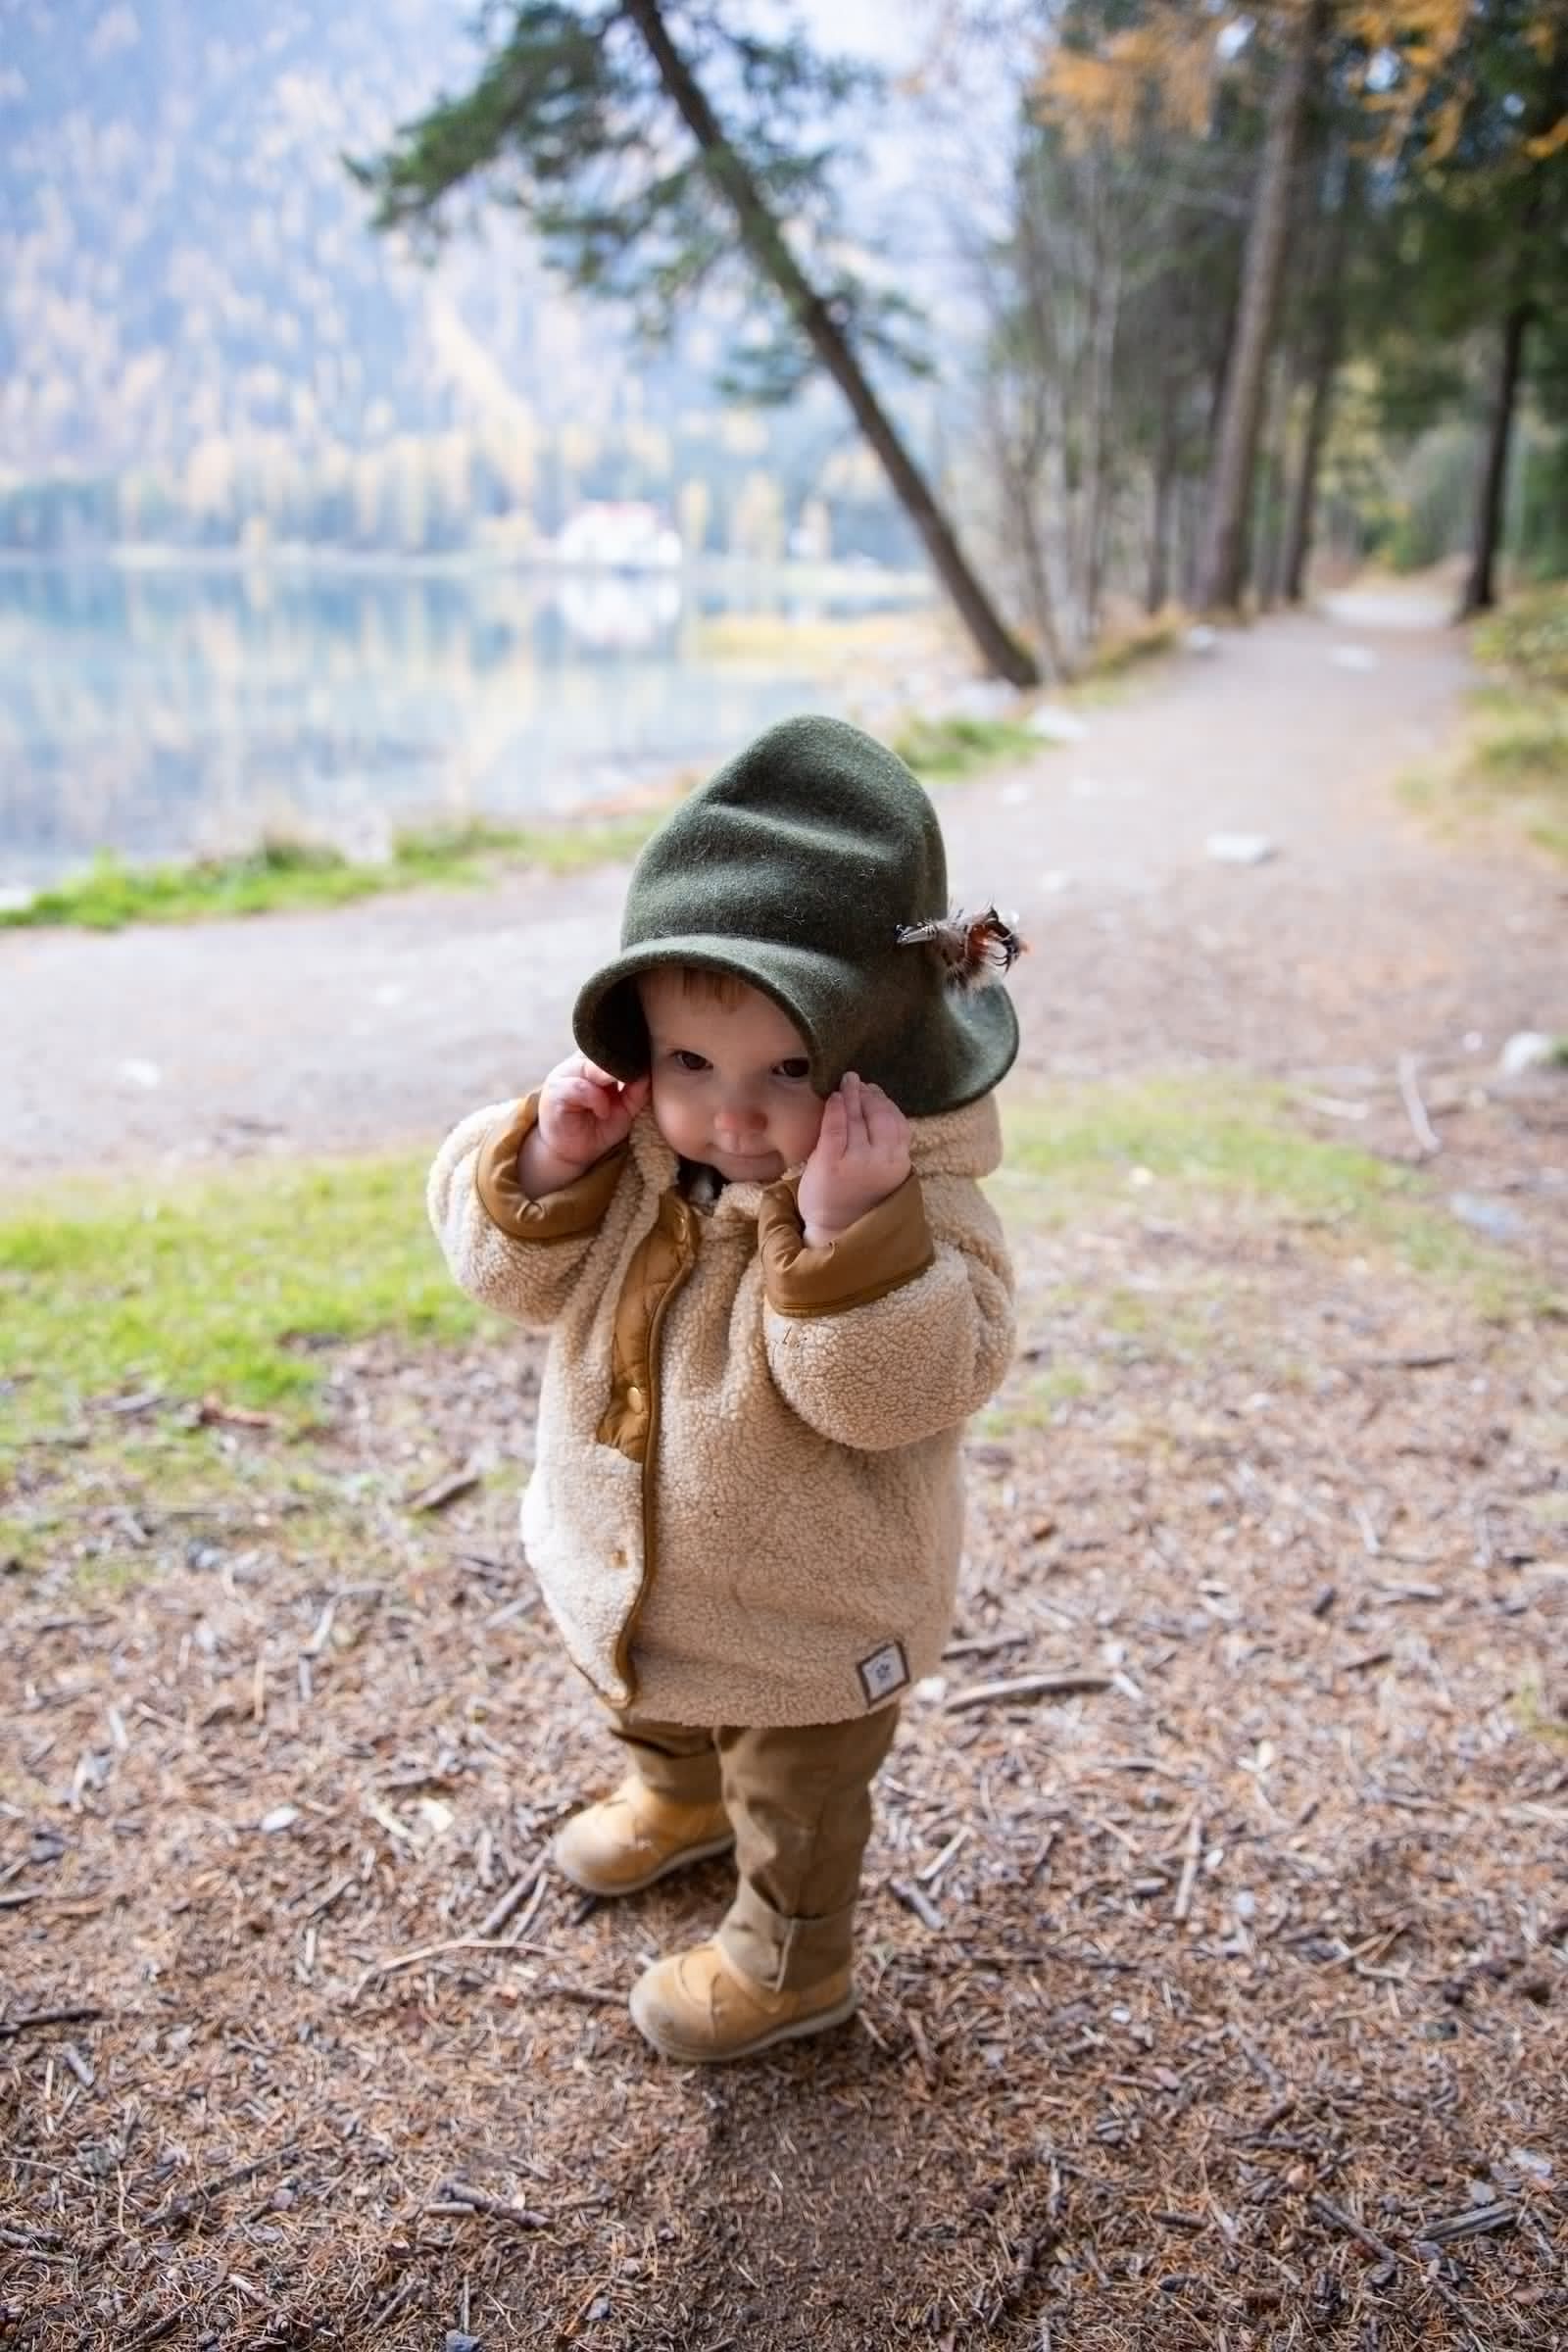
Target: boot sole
x=688 y=1855
x=799 y=2029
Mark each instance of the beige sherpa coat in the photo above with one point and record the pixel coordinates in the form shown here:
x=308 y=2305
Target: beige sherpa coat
x=746 y=1504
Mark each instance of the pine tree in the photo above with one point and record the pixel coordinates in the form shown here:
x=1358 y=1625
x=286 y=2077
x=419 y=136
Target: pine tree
x=659 y=153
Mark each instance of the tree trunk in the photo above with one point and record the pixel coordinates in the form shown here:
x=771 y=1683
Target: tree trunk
x=769 y=249
x=1479 y=591
x=1320 y=408
x=1158 y=588
x=1222 y=569
x=1267 y=535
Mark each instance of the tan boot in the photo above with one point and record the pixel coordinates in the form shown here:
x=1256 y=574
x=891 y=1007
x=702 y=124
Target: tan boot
x=699 y=2006
x=635 y=1837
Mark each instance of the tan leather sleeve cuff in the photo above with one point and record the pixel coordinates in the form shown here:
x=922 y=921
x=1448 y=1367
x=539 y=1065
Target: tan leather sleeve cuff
x=560 y=1216
x=890 y=1246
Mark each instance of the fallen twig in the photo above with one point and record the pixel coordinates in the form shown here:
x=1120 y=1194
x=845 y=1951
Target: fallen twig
x=77 y=2064
x=1026 y=1685
x=183 y=2207
x=12 y=2027
x=1336 y=2215
x=982 y=1645
x=1499 y=2214
x=213 y=1411
x=1415 y=1110
x=516 y=1895
x=441 y=1491
x=1187 y=1881
x=430 y=1951
x=458 y=2196
x=155 y=2332
x=594 y=1995
x=916 y=1899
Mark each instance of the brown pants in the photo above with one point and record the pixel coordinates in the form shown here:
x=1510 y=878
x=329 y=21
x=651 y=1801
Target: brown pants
x=799 y=1799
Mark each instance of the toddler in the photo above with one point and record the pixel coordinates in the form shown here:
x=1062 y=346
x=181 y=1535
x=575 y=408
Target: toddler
x=747 y=1214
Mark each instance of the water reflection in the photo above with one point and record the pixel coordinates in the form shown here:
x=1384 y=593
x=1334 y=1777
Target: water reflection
x=166 y=712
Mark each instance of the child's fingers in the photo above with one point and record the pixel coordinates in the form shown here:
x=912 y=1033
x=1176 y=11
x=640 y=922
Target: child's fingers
x=854 y=1091
x=591 y=1069
x=834 y=1134
x=885 y=1123
x=582 y=1092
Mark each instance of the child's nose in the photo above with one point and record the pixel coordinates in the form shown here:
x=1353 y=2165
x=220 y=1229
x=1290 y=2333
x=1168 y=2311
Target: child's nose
x=742 y=1118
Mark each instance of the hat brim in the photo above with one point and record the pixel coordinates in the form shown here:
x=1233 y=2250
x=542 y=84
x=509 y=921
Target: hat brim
x=961 y=1055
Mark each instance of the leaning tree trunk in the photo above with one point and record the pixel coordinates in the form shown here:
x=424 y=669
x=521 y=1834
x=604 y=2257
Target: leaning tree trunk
x=770 y=249
x=1479 y=589
x=1223 y=566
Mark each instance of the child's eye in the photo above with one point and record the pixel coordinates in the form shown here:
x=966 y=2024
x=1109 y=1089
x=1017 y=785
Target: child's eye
x=687 y=1061
x=796 y=1067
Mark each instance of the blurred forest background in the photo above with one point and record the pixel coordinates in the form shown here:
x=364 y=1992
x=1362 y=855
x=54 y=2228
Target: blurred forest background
x=1163 y=295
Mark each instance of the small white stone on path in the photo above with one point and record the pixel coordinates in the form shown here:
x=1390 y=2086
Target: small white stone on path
x=1201 y=639
x=145 y=1074
x=1240 y=849
x=281 y=1817
x=1013 y=795
x=1527 y=1050
x=1055 y=724
x=1355 y=656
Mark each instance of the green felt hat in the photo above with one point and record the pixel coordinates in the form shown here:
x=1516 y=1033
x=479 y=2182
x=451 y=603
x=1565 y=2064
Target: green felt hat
x=797 y=867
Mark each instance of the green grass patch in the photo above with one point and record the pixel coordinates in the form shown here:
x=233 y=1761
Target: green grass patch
x=1521 y=739
x=1171 y=1142
x=1528 y=638
x=1035 y=1402
x=1512 y=764
x=1121 y=650
x=283 y=874
x=1509 y=768
x=231 y=1285
x=1209 y=1134
x=239 y=1285
x=947 y=749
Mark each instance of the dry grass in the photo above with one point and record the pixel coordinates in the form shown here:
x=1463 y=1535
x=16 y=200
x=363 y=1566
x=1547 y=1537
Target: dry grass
x=1234 y=2017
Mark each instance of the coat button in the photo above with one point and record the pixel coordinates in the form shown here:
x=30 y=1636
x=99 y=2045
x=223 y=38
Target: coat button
x=634 y=1398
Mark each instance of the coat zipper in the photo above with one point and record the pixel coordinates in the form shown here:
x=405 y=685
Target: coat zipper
x=685 y=1230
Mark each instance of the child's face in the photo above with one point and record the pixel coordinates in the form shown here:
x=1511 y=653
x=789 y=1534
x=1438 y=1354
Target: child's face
x=731 y=1082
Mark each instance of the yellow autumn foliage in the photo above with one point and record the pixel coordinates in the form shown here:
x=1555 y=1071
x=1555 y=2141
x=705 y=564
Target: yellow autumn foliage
x=1166 y=68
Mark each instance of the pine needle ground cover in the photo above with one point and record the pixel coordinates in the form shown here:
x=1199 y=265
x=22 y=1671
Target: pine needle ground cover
x=1215 y=1937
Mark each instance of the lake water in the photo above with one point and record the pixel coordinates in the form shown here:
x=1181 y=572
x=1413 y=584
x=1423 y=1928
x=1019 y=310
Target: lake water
x=169 y=711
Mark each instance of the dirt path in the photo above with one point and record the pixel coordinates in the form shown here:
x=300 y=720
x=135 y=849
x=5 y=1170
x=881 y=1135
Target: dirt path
x=1358 y=940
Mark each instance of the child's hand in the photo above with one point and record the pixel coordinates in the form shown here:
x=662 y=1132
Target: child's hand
x=583 y=1113
x=862 y=1157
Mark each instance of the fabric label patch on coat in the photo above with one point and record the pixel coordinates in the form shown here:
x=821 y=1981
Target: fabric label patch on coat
x=885 y=1671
